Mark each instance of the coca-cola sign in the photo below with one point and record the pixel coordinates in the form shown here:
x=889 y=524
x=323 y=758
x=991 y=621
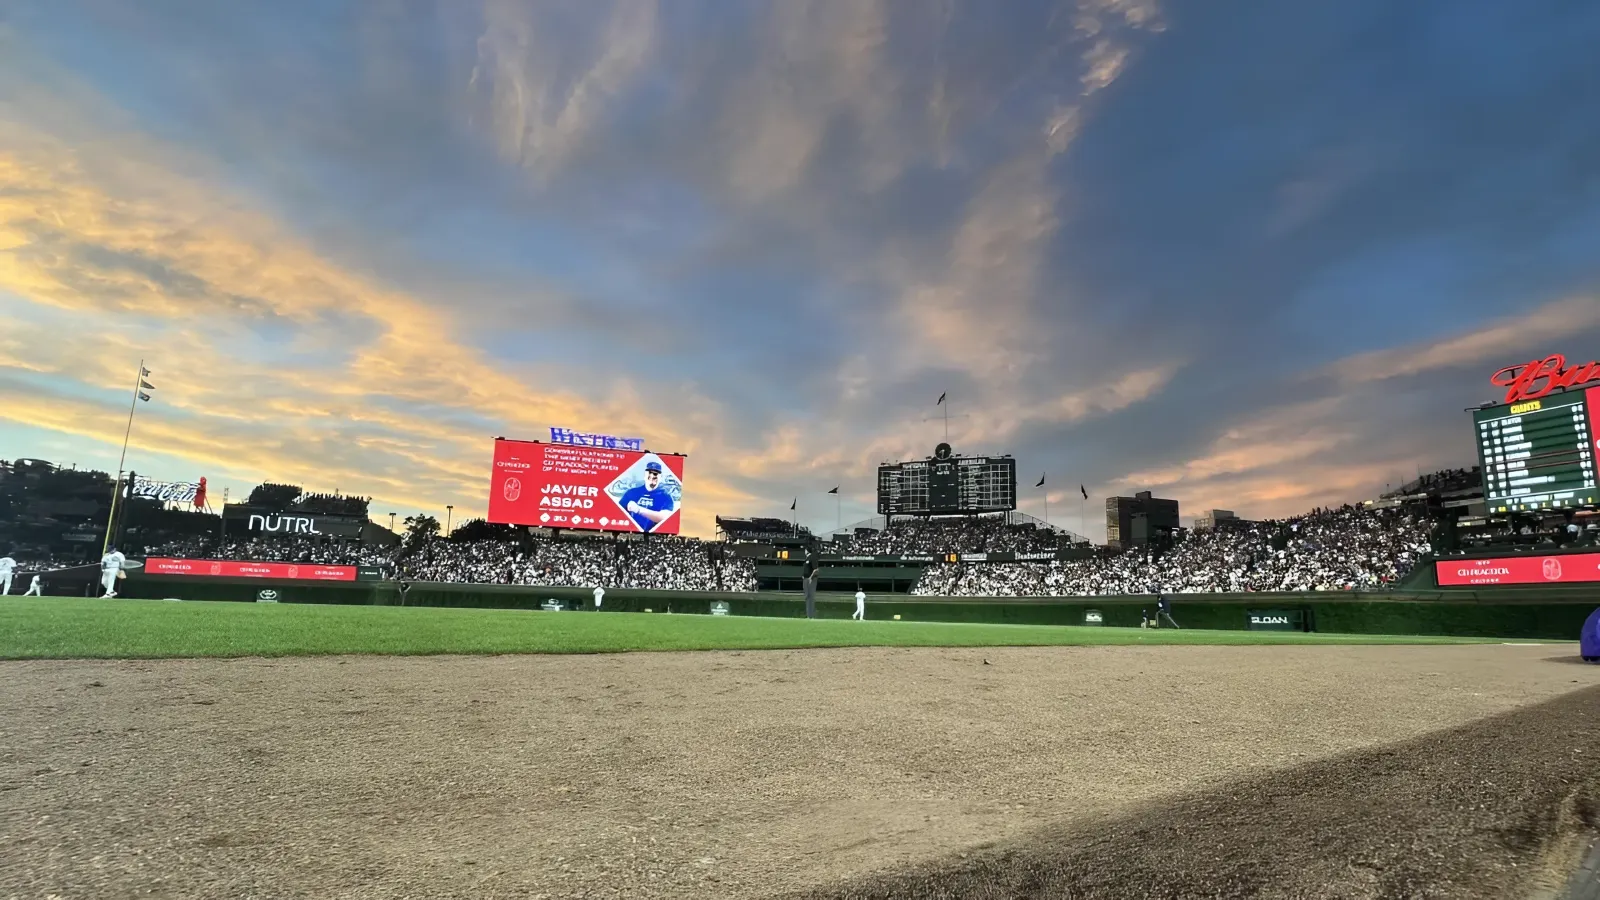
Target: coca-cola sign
x=1542 y=377
x=163 y=491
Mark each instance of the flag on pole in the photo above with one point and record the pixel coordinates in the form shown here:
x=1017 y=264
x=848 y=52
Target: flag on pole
x=941 y=399
x=834 y=491
x=146 y=385
x=143 y=372
x=143 y=396
x=792 y=503
x=1084 y=490
x=1041 y=480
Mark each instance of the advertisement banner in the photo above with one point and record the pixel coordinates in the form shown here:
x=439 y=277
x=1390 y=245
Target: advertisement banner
x=163 y=491
x=267 y=523
x=227 y=568
x=1568 y=568
x=1277 y=619
x=589 y=488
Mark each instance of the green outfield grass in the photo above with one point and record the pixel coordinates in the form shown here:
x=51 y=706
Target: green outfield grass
x=57 y=628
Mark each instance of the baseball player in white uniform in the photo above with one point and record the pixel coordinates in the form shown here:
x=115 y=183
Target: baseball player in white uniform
x=861 y=606
x=7 y=566
x=599 y=595
x=110 y=567
x=35 y=588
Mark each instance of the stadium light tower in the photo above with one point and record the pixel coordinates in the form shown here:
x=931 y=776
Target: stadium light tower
x=449 y=512
x=140 y=386
x=391 y=521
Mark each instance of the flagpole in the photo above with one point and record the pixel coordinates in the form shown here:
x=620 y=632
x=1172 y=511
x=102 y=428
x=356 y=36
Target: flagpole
x=116 y=486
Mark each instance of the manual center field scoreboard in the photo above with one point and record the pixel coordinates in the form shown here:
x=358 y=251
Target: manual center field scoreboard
x=1539 y=454
x=945 y=484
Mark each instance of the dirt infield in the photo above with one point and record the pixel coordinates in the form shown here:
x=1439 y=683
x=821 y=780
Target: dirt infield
x=1465 y=771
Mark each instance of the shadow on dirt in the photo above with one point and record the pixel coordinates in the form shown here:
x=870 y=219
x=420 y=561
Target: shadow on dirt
x=1501 y=808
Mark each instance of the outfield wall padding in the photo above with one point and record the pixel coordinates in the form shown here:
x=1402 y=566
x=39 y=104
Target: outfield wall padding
x=1506 y=613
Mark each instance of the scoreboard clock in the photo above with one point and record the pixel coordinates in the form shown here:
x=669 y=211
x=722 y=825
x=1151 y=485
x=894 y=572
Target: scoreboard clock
x=947 y=484
x=1539 y=454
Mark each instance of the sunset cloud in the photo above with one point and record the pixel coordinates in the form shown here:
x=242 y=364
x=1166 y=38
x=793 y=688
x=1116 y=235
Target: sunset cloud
x=1235 y=260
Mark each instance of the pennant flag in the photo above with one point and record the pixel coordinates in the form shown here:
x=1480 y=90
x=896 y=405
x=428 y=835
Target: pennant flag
x=146 y=385
x=143 y=396
x=1085 y=491
x=1041 y=480
x=941 y=399
x=793 y=502
x=143 y=372
x=834 y=491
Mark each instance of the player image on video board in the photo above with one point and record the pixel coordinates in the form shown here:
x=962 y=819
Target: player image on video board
x=647 y=492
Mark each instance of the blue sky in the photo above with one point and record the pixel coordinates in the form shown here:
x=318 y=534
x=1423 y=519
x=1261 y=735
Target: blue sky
x=1251 y=255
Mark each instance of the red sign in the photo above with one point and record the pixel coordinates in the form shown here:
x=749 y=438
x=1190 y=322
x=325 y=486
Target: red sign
x=1544 y=376
x=590 y=488
x=1569 y=568
x=227 y=568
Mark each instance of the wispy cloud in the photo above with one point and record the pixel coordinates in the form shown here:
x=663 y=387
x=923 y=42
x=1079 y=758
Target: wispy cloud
x=1150 y=247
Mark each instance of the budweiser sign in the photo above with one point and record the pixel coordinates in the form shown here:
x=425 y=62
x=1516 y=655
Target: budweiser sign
x=585 y=439
x=164 y=491
x=1542 y=377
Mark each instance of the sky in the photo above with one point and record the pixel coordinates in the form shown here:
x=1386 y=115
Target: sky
x=1250 y=255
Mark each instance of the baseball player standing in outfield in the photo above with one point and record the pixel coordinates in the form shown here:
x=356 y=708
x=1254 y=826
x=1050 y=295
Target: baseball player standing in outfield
x=1164 y=611
x=110 y=568
x=599 y=595
x=7 y=566
x=861 y=606
x=35 y=588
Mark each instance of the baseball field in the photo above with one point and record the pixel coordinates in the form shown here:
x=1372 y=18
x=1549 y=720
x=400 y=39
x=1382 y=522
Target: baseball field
x=258 y=750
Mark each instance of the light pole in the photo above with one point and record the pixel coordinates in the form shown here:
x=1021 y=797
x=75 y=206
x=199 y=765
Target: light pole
x=391 y=521
x=449 y=511
x=139 y=388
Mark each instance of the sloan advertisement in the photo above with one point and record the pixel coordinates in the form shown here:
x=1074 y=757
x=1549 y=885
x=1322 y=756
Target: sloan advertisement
x=591 y=488
x=1571 y=568
x=223 y=568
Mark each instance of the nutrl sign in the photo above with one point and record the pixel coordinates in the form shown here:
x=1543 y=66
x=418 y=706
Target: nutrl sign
x=1542 y=377
x=284 y=524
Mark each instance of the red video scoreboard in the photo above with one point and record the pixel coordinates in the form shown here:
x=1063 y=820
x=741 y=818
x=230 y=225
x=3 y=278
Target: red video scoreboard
x=591 y=488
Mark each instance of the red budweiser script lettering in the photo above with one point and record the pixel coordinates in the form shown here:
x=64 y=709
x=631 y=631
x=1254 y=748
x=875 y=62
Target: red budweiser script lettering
x=1543 y=376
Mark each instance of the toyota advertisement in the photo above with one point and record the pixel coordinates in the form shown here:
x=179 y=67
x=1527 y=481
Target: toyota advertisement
x=1571 y=568
x=223 y=568
x=590 y=488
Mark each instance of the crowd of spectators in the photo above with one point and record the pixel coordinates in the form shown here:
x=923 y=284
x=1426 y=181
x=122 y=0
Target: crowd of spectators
x=1444 y=482
x=759 y=529
x=1329 y=549
x=665 y=563
x=1503 y=536
x=1332 y=549
x=963 y=534
x=290 y=549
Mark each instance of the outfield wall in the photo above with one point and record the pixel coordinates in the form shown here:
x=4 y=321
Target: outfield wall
x=1504 y=612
